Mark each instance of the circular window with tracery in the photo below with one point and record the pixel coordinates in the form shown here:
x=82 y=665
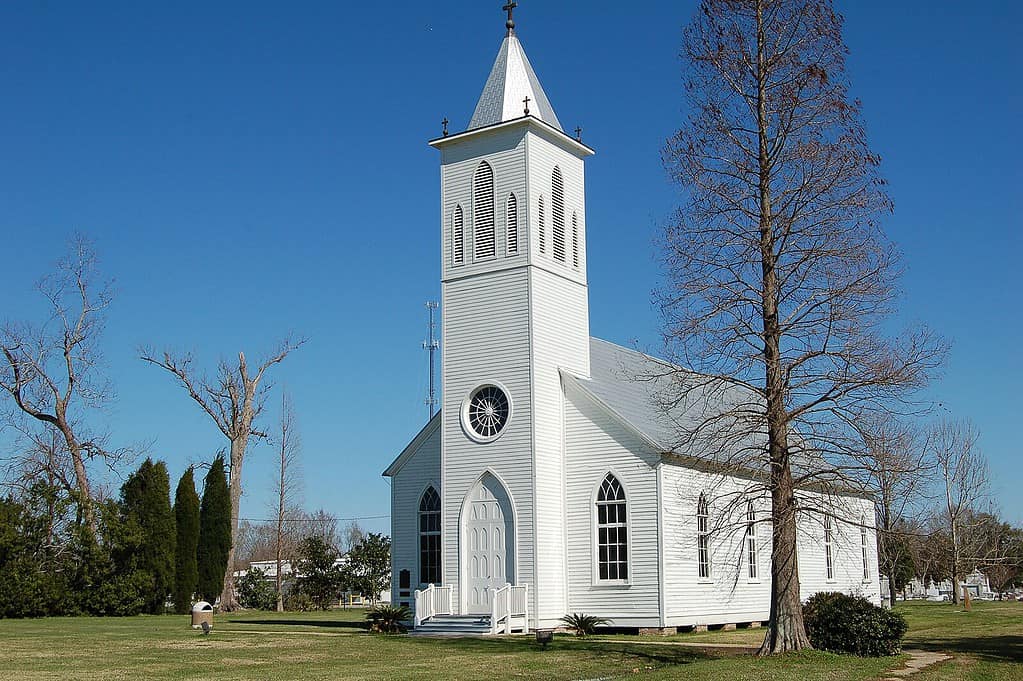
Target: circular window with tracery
x=486 y=412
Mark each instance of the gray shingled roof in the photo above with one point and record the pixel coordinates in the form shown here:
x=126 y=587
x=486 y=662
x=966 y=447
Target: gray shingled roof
x=511 y=80
x=638 y=387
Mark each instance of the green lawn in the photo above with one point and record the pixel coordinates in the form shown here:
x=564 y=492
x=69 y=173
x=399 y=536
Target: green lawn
x=987 y=644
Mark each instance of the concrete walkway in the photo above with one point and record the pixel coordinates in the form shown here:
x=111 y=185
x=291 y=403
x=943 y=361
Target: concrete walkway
x=918 y=660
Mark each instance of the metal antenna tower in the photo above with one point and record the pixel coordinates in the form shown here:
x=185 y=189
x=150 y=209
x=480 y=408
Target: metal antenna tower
x=431 y=344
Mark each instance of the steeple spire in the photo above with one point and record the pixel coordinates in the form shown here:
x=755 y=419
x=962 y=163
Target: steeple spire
x=511 y=81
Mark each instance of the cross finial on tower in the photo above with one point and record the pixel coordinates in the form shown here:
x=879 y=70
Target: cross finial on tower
x=578 y=134
x=509 y=8
x=526 y=102
x=445 y=124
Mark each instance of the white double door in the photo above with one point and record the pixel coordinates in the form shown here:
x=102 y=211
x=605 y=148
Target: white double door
x=488 y=535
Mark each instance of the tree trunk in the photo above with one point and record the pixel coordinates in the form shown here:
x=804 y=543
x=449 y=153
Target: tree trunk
x=81 y=477
x=891 y=590
x=280 y=539
x=955 y=563
x=228 y=599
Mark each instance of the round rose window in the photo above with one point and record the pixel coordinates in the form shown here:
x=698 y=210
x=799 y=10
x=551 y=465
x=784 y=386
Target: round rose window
x=486 y=412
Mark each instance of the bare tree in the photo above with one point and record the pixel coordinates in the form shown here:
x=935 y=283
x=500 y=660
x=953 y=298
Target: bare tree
x=288 y=485
x=351 y=536
x=899 y=473
x=778 y=277
x=52 y=371
x=234 y=399
x=963 y=482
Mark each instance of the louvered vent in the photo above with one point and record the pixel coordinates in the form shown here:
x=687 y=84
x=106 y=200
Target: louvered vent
x=558 y=210
x=457 y=237
x=512 y=216
x=543 y=228
x=483 y=233
x=575 y=240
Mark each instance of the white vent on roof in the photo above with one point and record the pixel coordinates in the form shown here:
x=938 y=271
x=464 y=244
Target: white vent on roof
x=512 y=224
x=457 y=237
x=483 y=234
x=558 y=214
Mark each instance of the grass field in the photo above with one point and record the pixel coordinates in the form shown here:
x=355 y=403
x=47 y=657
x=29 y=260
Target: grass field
x=987 y=644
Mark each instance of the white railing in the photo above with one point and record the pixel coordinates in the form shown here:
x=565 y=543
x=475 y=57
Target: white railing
x=509 y=609
x=431 y=601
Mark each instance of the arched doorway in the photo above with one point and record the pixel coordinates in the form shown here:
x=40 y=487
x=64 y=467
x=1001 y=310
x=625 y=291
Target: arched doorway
x=488 y=535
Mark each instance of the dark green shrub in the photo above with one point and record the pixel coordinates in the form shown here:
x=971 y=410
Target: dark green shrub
x=584 y=625
x=256 y=591
x=388 y=619
x=840 y=623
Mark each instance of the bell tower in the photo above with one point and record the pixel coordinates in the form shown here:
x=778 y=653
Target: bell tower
x=513 y=245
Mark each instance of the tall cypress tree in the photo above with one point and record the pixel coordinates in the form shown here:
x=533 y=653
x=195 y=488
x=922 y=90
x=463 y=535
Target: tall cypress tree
x=186 y=513
x=145 y=499
x=214 y=531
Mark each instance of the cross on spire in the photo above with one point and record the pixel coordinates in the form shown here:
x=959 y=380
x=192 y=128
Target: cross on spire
x=509 y=8
x=526 y=102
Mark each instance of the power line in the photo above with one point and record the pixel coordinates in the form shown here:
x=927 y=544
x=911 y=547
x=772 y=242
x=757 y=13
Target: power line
x=314 y=520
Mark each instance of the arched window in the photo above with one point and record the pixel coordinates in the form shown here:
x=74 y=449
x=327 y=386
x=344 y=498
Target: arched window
x=863 y=549
x=429 y=537
x=703 y=537
x=558 y=214
x=483 y=233
x=542 y=240
x=612 y=531
x=457 y=236
x=751 y=541
x=829 y=553
x=575 y=240
x=512 y=224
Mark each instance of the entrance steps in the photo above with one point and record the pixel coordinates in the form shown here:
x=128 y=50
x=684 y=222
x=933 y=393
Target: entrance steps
x=454 y=625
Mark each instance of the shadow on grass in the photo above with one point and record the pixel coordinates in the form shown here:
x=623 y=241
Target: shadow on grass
x=662 y=655
x=1003 y=648
x=329 y=624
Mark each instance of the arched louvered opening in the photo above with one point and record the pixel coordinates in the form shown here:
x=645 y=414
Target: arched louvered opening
x=612 y=531
x=457 y=236
x=575 y=240
x=429 y=537
x=558 y=214
x=512 y=224
x=703 y=537
x=752 y=555
x=484 y=237
x=542 y=237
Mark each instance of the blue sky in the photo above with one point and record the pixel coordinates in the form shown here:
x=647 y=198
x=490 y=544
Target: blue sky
x=250 y=169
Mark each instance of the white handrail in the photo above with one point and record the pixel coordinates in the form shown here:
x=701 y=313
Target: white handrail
x=508 y=604
x=431 y=601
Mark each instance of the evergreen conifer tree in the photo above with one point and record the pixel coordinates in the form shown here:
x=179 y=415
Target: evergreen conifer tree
x=186 y=514
x=214 y=531
x=145 y=501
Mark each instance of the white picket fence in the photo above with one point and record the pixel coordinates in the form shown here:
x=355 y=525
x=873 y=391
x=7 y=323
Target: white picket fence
x=431 y=601
x=509 y=609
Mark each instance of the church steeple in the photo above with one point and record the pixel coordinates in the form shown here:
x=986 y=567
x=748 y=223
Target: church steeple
x=511 y=81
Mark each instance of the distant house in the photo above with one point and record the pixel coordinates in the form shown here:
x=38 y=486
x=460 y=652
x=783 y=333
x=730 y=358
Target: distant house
x=269 y=570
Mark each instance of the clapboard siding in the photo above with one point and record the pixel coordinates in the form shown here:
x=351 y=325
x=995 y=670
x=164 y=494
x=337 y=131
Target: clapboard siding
x=597 y=444
x=486 y=339
x=560 y=340
x=848 y=558
x=542 y=155
x=407 y=486
x=729 y=595
x=504 y=150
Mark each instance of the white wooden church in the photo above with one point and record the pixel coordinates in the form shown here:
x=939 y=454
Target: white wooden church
x=547 y=484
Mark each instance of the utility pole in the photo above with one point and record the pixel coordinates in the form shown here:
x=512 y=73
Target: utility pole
x=431 y=345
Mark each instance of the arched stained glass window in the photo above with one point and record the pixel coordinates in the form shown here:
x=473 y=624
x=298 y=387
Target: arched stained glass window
x=829 y=549
x=752 y=556
x=483 y=233
x=429 y=537
x=612 y=531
